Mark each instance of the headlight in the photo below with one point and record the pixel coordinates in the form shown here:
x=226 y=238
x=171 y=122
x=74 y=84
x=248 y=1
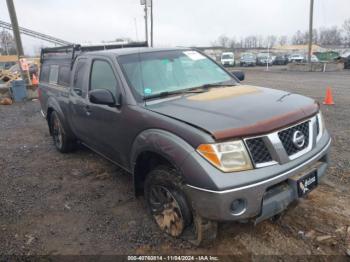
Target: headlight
x=228 y=156
x=321 y=125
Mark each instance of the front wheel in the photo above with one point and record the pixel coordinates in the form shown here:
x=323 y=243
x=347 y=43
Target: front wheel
x=170 y=209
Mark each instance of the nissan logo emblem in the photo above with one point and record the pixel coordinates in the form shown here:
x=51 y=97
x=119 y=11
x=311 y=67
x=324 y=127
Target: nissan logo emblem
x=298 y=139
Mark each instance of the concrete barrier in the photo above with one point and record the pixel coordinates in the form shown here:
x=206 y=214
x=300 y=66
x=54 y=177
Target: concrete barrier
x=316 y=67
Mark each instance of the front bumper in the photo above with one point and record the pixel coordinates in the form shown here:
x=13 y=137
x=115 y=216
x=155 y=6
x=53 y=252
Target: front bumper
x=262 y=199
x=248 y=63
x=231 y=63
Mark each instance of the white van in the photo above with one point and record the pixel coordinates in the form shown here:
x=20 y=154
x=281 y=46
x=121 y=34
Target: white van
x=228 y=59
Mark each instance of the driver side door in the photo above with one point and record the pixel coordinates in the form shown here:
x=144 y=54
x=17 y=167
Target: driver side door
x=104 y=123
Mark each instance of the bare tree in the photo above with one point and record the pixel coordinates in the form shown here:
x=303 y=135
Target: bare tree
x=223 y=41
x=298 y=38
x=315 y=37
x=346 y=30
x=232 y=43
x=260 y=41
x=330 y=36
x=283 y=40
x=271 y=41
x=250 y=42
x=7 y=43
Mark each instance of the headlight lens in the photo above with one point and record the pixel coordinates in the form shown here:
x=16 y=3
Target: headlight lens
x=321 y=124
x=228 y=156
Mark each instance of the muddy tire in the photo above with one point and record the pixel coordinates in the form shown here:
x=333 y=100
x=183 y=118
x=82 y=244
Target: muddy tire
x=175 y=216
x=205 y=231
x=60 y=138
x=166 y=201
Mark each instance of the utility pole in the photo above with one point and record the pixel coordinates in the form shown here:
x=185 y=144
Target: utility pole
x=268 y=55
x=310 y=30
x=151 y=22
x=15 y=27
x=17 y=35
x=146 y=22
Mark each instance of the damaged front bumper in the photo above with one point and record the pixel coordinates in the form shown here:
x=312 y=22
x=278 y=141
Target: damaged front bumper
x=260 y=200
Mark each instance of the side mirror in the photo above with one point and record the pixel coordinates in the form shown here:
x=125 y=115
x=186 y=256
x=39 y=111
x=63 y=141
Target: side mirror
x=239 y=75
x=102 y=97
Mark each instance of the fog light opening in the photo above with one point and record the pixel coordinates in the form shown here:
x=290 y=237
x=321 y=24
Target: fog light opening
x=238 y=207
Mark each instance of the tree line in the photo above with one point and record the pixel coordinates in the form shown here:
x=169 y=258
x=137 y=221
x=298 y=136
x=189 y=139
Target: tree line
x=7 y=43
x=324 y=36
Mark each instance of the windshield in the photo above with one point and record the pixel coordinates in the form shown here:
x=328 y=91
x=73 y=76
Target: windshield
x=263 y=55
x=248 y=56
x=227 y=56
x=153 y=73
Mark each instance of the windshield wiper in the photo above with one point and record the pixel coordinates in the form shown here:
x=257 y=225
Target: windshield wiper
x=167 y=93
x=207 y=86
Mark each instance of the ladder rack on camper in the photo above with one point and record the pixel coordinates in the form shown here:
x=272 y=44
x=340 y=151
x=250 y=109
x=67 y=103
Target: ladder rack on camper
x=71 y=51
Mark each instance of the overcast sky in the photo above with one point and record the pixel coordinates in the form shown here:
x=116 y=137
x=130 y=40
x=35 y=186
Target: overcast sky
x=177 y=22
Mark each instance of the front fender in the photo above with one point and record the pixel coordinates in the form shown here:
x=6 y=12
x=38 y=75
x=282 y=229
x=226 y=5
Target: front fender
x=168 y=145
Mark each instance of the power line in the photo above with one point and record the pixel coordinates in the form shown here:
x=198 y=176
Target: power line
x=35 y=34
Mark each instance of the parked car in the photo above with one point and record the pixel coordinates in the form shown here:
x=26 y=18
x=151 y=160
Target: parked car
x=281 y=60
x=247 y=59
x=264 y=59
x=228 y=59
x=296 y=58
x=273 y=58
x=347 y=62
x=200 y=146
x=314 y=59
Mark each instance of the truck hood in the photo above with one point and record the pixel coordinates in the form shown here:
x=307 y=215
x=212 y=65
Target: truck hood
x=237 y=111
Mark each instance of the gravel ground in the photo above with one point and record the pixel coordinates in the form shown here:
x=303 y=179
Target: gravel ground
x=79 y=203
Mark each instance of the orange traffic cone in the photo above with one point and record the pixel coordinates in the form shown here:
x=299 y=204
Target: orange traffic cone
x=328 y=100
x=35 y=81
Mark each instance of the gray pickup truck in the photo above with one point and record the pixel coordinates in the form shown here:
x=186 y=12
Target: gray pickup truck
x=201 y=147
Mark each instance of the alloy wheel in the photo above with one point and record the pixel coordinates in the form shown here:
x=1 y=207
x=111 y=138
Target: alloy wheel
x=166 y=210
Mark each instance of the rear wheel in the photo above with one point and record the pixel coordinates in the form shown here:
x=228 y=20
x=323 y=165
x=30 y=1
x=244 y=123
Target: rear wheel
x=60 y=138
x=170 y=209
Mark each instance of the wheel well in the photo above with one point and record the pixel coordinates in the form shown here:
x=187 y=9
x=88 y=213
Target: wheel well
x=145 y=162
x=48 y=118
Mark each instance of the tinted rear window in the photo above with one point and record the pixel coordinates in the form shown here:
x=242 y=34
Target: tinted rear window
x=53 y=76
x=64 y=76
x=44 y=74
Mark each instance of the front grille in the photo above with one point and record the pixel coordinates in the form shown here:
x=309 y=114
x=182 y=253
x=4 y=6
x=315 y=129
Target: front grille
x=317 y=126
x=286 y=137
x=258 y=150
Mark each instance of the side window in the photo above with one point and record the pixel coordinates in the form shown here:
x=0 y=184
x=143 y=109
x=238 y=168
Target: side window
x=64 y=75
x=79 y=75
x=53 y=77
x=44 y=73
x=102 y=77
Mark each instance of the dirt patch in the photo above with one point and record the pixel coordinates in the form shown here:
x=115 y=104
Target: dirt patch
x=78 y=203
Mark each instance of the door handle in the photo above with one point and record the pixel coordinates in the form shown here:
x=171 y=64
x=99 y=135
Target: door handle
x=88 y=110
